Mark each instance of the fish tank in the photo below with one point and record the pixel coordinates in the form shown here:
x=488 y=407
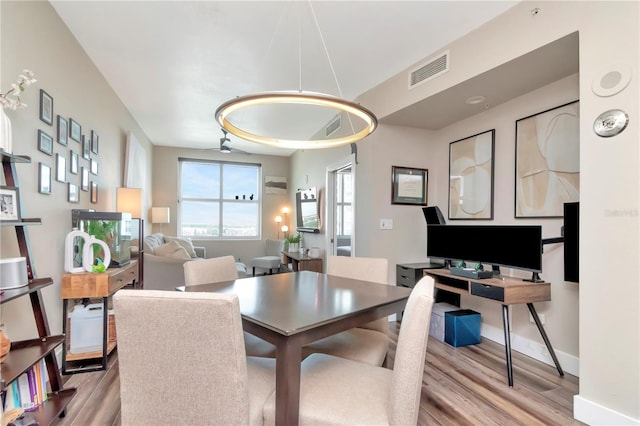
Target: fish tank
x=113 y=228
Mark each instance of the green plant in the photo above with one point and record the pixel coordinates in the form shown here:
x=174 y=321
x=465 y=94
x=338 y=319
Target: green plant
x=294 y=239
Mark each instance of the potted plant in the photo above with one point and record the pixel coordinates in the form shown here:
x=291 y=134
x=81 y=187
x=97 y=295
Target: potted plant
x=293 y=242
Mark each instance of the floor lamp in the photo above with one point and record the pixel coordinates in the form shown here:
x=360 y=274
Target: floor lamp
x=160 y=215
x=129 y=200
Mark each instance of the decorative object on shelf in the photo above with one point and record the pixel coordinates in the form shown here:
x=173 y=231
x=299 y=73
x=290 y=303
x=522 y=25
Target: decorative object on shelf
x=293 y=241
x=87 y=252
x=471 y=168
x=361 y=120
x=46 y=107
x=62 y=130
x=611 y=123
x=5 y=346
x=314 y=252
x=75 y=130
x=44 y=179
x=45 y=142
x=13 y=273
x=9 y=204
x=409 y=186
x=11 y=100
x=547 y=161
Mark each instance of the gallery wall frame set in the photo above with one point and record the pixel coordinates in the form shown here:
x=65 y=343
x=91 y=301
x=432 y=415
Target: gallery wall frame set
x=471 y=176
x=547 y=163
x=409 y=186
x=46 y=107
x=44 y=179
x=9 y=204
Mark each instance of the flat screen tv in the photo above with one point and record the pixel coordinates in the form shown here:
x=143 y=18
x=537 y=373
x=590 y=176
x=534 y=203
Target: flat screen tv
x=571 y=242
x=511 y=246
x=307 y=211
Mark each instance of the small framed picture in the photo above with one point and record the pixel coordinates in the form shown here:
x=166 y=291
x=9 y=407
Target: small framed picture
x=46 y=107
x=85 y=179
x=45 y=142
x=94 y=192
x=62 y=130
x=73 y=195
x=61 y=168
x=44 y=179
x=9 y=204
x=75 y=130
x=409 y=185
x=86 y=148
x=73 y=162
x=94 y=167
x=94 y=142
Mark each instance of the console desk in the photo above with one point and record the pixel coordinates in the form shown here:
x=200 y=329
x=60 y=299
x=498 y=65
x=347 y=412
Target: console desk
x=301 y=262
x=506 y=291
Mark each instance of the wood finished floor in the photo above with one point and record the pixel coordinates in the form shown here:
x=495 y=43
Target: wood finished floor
x=461 y=386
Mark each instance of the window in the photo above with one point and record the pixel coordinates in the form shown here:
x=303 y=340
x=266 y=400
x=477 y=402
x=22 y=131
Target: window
x=219 y=199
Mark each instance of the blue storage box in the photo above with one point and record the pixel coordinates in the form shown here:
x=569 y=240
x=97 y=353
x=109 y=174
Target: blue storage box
x=462 y=327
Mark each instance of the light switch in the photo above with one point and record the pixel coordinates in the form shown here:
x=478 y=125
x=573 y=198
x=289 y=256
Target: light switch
x=386 y=223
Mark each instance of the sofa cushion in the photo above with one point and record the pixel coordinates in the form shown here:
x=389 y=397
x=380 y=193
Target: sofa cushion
x=172 y=249
x=152 y=241
x=187 y=244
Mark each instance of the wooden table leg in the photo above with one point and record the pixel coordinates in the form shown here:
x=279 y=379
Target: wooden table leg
x=288 y=358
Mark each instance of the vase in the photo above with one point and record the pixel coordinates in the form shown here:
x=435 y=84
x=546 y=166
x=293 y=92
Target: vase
x=5 y=346
x=293 y=247
x=5 y=132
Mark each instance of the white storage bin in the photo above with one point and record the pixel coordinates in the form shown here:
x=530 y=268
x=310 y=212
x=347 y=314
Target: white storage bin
x=436 y=325
x=86 y=328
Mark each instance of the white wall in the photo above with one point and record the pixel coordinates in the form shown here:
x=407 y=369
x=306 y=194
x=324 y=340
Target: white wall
x=33 y=37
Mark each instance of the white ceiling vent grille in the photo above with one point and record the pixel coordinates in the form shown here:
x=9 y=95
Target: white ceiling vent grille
x=430 y=70
x=333 y=126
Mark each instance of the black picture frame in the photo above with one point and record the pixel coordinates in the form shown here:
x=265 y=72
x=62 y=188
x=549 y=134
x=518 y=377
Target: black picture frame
x=9 y=204
x=94 y=192
x=46 y=107
x=73 y=162
x=409 y=186
x=94 y=142
x=63 y=130
x=93 y=167
x=45 y=142
x=73 y=193
x=86 y=148
x=61 y=167
x=44 y=179
x=84 y=179
x=75 y=130
x=471 y=177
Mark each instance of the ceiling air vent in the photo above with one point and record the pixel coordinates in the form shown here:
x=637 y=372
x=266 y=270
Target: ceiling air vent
x=333 y=126
x=430 y=70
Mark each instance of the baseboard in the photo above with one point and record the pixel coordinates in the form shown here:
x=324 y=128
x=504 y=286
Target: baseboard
x=533 y=349
x=595 y=414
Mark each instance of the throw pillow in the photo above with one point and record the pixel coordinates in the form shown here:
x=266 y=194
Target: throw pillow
x=172 y=249
x=187 y=244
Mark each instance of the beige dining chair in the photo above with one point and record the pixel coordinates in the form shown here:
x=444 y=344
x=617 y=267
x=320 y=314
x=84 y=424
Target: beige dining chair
x=220 y=269
x=338 y=391
x=368 y=343
x=182 y=360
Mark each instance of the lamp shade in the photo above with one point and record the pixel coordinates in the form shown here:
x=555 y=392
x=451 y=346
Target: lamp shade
x=129 y=200
x=160 y=215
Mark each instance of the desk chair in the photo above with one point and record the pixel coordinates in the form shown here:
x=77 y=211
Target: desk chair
x=219 y=269
x=182 y=360
x=368 y=343
x=272 y=259
x=338 y=391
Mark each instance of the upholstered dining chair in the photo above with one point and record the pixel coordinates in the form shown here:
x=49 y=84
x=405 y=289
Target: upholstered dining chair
x=182 y=360
x=219 y=269
x=368 y=343
x=338 y=391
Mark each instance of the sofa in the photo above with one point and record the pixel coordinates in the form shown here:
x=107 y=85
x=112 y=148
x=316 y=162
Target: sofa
x=163 y=259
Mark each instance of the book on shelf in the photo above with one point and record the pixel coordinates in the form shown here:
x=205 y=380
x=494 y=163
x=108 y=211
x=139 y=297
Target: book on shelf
x=29 y=390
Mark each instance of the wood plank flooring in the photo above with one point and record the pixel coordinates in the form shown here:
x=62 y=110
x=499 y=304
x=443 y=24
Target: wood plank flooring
x=461 y=386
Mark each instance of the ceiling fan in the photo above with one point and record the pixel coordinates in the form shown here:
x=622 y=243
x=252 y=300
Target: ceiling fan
x=225 y=148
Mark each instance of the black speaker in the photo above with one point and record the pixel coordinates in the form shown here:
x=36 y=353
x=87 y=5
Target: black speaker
x=572 y=242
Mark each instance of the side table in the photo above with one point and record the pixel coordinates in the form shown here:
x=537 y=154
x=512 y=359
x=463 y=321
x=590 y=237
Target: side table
x=301 y=262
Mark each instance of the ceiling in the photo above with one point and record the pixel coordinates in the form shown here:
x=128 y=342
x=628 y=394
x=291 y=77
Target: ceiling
x=172 y=63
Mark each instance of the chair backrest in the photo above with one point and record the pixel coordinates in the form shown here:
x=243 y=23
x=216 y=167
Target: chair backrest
x=408 y=367
x=213 y=270
x=274 y=247
x=362 y=268
x=181 y=358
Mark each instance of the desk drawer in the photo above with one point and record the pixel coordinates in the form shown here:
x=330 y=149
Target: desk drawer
x=407 y=277
x=405 y=281
x=487 y=291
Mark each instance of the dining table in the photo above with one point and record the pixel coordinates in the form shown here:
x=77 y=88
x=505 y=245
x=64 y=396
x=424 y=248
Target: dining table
x=293 y=309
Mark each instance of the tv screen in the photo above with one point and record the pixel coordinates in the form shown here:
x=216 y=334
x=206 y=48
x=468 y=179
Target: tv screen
x=571 y=242
x=510 y=246
x=307 y=212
